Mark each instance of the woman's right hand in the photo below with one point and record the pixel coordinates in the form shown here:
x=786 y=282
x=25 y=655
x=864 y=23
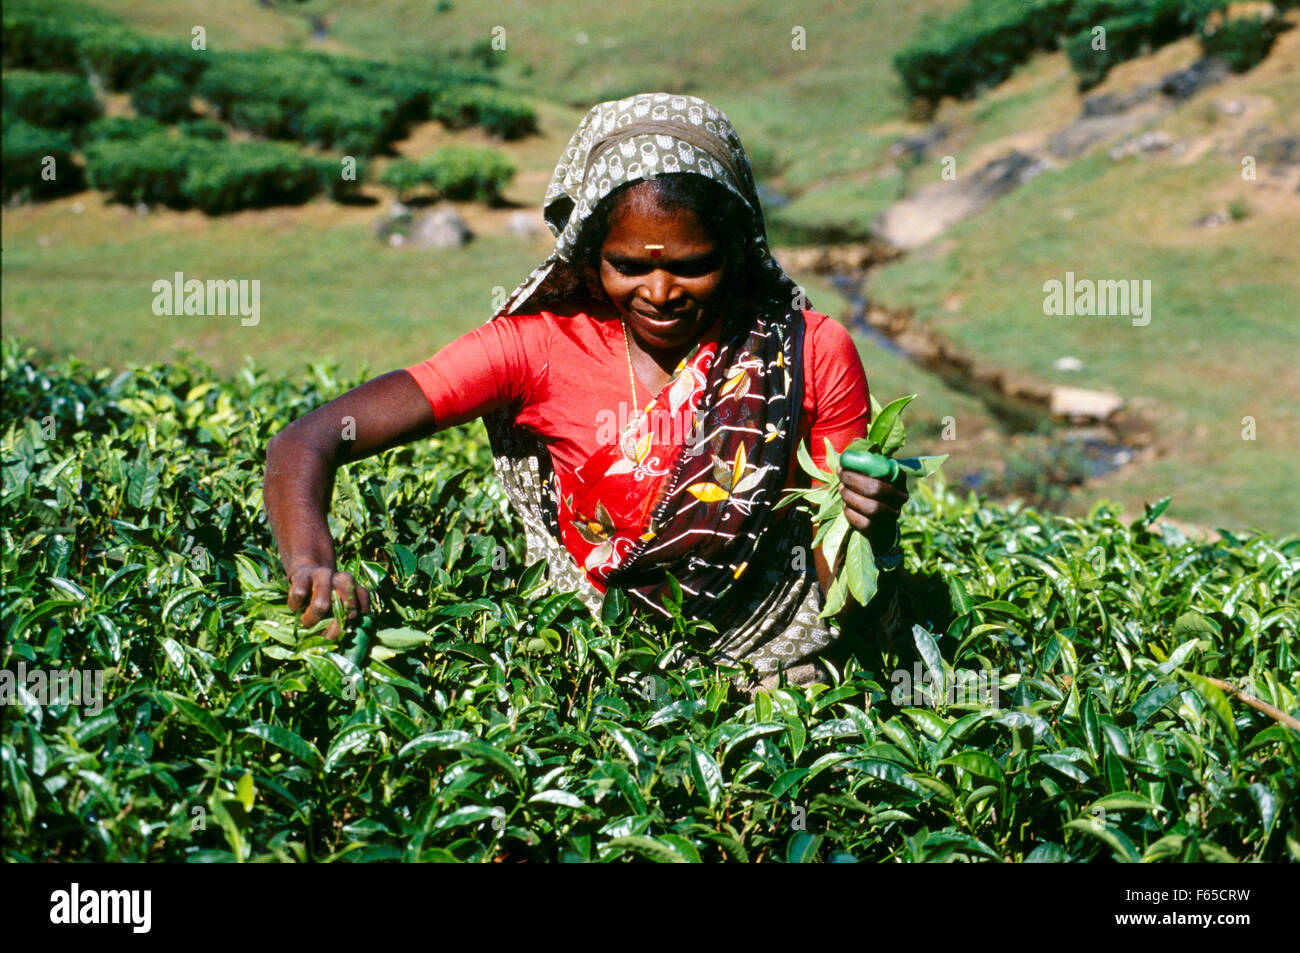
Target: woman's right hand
x=311 y=590
x=301 y=460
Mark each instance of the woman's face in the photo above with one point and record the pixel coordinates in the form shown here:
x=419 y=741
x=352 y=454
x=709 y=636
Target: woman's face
x=661 y=270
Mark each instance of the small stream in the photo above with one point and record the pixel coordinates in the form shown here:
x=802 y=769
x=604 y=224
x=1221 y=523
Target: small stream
x=1081 y=451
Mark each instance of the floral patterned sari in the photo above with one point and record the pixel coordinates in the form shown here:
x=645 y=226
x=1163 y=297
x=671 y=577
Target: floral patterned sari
x=689 y=486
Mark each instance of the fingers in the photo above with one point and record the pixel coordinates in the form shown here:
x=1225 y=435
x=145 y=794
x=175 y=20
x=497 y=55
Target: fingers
x=311 y=590
x=873 y=506
x=895 y=494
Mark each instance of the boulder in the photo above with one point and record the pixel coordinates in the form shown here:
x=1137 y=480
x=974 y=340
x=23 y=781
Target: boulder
x=1078 y=404
x=442 y=227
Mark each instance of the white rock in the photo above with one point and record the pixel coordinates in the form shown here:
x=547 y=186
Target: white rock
x=1068 y=364
x=1077 y=403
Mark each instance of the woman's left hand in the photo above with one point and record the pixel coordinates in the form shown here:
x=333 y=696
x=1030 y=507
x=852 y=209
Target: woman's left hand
x=872 y=506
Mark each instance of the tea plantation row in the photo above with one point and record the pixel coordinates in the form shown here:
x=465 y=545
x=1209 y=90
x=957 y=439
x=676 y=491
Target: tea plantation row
x=481 y=717
x=980 y=44
x=55 y=54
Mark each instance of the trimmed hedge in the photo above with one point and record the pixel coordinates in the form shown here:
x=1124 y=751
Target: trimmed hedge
x=54 y=100
x=301 y=98
x=163 y=97
x=504 y=115
x=980 y=44
x=212 y=176
x=1126 y=37
x=453 y=172
x=202 y=129
x=149 y=170
x=123 y=129
x=1242 y=43
x=25 y=150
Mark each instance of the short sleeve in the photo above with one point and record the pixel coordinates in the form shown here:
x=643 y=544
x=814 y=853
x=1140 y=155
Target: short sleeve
x=841 y=410
x=498 y=364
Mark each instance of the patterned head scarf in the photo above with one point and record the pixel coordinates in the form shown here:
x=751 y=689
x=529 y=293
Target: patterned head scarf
x=714 y=527
x=625 y=140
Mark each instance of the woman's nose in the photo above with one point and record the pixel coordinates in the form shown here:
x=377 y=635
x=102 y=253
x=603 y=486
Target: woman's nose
x=659 y=288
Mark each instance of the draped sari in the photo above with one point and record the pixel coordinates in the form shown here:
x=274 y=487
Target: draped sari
x=697 y=500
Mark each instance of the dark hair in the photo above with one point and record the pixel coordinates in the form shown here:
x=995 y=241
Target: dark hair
x=721 y=213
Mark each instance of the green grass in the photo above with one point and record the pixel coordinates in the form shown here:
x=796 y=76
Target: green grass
x=1221 y=341
x=349 y=296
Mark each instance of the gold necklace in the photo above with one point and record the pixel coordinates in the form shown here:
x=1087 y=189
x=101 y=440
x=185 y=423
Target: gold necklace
x=631 y=377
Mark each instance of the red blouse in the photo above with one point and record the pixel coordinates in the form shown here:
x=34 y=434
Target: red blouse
x=567 y=373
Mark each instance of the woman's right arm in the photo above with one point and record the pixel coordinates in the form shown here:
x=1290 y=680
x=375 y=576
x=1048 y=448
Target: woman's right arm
x=301 y=461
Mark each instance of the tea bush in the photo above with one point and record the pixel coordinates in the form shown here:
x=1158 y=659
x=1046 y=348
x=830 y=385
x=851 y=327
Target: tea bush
x=53 y=100
x=123 y=129
x=213 y=175
x=24 y=154
x=1242 y=43
x=162 y=97
x=478 y=716
x=504 y=115
x=980 y=44
x=454 y=172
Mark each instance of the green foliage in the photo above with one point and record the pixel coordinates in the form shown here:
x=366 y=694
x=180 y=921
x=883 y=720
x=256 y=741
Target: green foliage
x=356 y=106
x=53 y=100
x=25 y=151
x=215 y=176
x=454 y=172
x=162 y=97
x=480 y=716
x=1125 y=38
x=1243 y=42
x=856 y=575
x=150 y=170
x=202 y=129
x=125 y=59
x=980 y=44
x=123 y=129
x=43 y=34
x=503 y=114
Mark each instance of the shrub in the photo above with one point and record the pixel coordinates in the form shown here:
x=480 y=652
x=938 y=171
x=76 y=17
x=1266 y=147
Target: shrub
x=43 y=34
x=212 y=176
x=54 y=100
x=202 y=129
x=149 y=170
x=1243 y=42
x=977 y=46
x=124 y=59
x=453 y=172
x=359 y=125
x=224 y=177
x=301 y=98
x=162 y=96
x=1125 y=38
x=500 y=113
x=26 y=152
x=405 y=177
x=123 y=128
